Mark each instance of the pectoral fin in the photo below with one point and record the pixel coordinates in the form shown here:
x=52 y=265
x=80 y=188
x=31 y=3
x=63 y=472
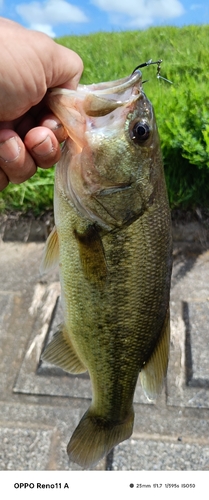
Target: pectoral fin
x=51 y=253
x=61 y=352
x=92 y=256
x=154 y=372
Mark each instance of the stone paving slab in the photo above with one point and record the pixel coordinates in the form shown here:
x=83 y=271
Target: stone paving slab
x=58 y=418
x=40 y=406
x=160 y=454
x=24 y=448
x=189 y=355
x=197 y=316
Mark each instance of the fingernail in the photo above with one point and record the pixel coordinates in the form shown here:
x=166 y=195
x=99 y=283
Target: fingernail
x=9 y=150
x=44 y=148
x=52 y=124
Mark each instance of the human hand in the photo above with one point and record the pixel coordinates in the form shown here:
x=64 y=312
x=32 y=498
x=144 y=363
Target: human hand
x=30 y=134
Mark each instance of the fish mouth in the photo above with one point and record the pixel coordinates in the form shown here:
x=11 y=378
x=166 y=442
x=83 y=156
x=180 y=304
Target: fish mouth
x=101 y=98
x=112 y=87
x=103 y=88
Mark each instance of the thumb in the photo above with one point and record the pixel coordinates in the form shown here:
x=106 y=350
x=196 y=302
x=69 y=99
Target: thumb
x=64 y=68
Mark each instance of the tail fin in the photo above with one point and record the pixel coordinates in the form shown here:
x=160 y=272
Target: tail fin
x=94 y=437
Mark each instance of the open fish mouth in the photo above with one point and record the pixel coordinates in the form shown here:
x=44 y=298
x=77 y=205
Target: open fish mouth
x=97 y=98
x=103 y=88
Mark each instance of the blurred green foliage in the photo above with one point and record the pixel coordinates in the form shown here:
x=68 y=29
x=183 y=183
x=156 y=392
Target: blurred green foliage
x=181 y=108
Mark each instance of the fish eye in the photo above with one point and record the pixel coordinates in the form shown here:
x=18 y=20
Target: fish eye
x=140 y=132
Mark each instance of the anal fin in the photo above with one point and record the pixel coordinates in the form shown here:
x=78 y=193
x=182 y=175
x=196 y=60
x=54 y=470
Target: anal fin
x=154 y=372
x=61 y=352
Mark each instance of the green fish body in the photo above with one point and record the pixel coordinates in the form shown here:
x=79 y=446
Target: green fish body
x=112 y=239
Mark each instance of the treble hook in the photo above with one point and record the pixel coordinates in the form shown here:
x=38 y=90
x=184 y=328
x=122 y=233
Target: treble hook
x=148 y=63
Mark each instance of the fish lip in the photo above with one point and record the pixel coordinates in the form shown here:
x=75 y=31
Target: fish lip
x=104 y=88
x=115 y=86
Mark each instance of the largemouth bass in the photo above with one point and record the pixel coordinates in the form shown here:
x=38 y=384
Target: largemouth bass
x=112 y=240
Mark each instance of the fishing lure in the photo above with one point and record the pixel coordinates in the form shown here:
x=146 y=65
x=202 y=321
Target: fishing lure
x=148 y=63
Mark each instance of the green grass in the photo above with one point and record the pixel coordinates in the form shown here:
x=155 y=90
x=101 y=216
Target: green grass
x=34 y=195
x=182 y=109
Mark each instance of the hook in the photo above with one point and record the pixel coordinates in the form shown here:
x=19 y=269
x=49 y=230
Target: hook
x=148 y=63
